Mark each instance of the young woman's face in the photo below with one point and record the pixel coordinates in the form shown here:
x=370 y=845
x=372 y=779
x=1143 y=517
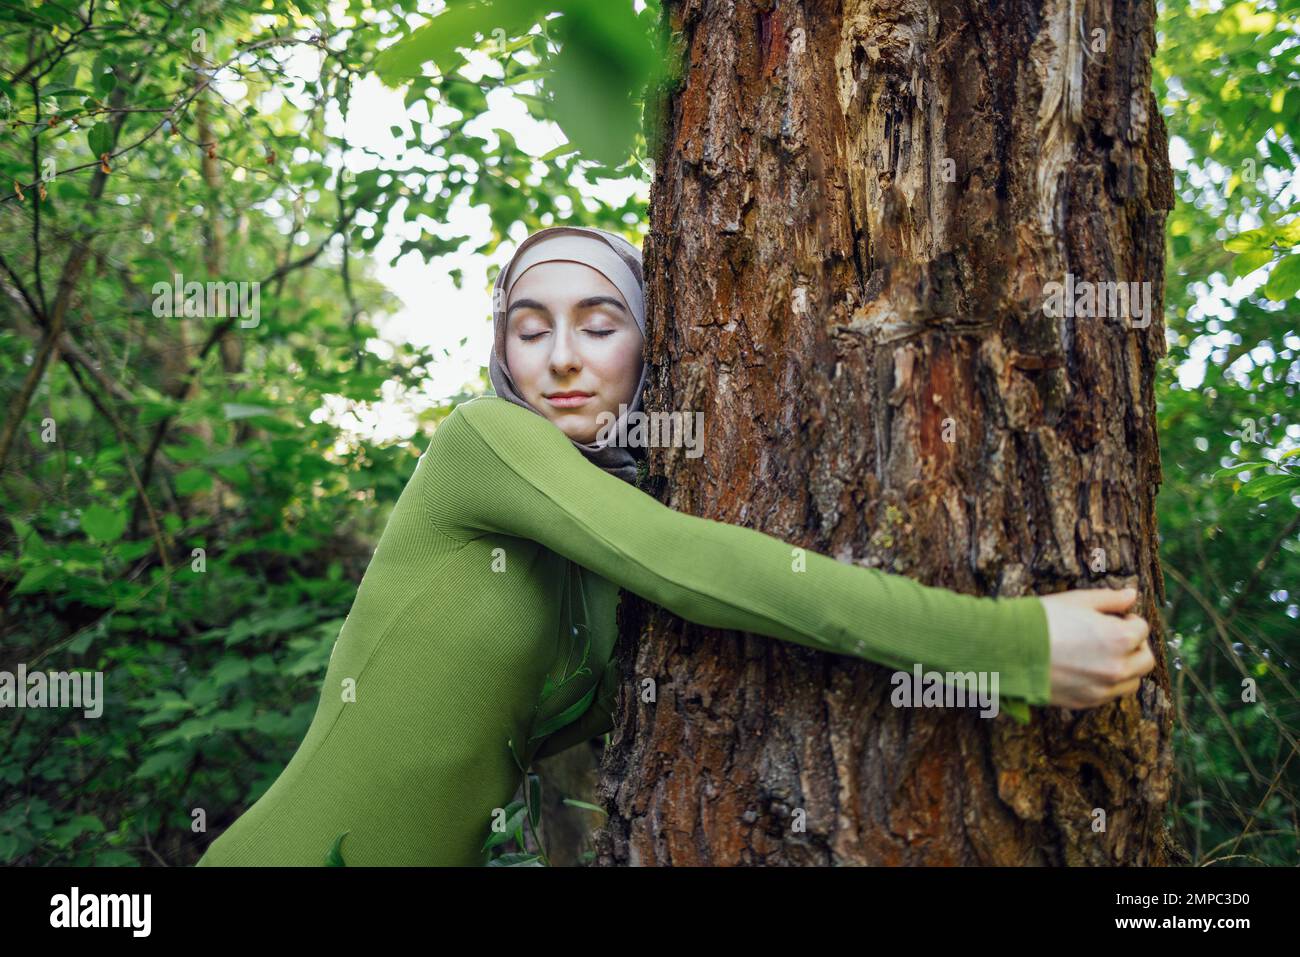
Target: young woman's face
x=572 y=346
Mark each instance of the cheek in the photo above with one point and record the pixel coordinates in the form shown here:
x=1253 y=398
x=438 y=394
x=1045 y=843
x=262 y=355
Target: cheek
x=621 y=361
x=521 y=365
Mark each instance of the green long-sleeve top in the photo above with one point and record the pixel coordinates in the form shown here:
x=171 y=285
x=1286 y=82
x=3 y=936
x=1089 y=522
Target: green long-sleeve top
x=502 y=557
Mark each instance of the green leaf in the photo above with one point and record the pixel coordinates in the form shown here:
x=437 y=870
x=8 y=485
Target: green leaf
x=52 y=13
x=594 y=109
x=105 y=82
x=584 y=805
x=1269 y=486
x=516 y=860
x=34 y=578
x=193 y=480
x=101 y=139
x=160 y=764
x=62 y=91
x=533 y=793
x=514 y=753
x=567 y=716
x=85 y=823
x=1284 y=280
x=103 y=523
x=527 y=77
x=79 y=644
x=564 y=149
x=514 y=813
x=455 y=27
x=1017 y=708
x=1249 y=261
x=231 y=669
x=1253 y=239
x=21 y=530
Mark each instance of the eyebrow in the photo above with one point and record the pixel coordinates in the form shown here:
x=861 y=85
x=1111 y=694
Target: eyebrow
x=582 y=304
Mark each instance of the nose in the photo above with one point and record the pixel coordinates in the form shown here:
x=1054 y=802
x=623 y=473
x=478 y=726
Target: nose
x=564 y=357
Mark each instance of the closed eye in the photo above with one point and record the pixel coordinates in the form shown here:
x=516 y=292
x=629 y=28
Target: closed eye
x=601 y=333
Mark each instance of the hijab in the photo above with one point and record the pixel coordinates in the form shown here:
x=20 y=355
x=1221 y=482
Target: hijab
x=619 y=262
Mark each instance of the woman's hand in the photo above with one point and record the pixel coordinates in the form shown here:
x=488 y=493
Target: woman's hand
x=1096 y=655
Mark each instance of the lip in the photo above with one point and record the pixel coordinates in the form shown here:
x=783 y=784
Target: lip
x=568 y=400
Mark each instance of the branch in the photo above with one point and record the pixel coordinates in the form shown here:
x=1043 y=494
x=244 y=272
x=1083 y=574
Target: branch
x=76 y=262
x=53 y=330
x=71 y=352
x=36 y=206
x=22 y=291
x=60 y=51
x=101 y=161
x=108 y=413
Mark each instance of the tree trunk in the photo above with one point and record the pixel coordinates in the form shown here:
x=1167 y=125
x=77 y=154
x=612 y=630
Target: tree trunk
x=856 y=214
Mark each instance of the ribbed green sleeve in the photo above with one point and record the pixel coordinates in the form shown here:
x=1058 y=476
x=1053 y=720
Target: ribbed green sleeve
x=523 y=477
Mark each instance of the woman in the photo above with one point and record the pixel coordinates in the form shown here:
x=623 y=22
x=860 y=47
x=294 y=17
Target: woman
x=496 y=579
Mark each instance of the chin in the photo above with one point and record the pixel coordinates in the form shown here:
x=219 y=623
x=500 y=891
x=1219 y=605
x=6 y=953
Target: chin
x=579 y=432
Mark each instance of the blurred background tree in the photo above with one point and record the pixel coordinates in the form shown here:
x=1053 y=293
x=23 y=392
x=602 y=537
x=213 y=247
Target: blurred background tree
x=185 y=513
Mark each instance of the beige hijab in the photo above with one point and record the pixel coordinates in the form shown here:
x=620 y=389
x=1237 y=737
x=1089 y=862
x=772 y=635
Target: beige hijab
x=616 y=259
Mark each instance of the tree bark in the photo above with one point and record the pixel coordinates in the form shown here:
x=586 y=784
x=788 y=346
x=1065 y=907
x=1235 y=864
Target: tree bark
x=856 y=211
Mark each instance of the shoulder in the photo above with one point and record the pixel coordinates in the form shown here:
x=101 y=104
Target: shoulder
x=502 y=424
x=489 y=409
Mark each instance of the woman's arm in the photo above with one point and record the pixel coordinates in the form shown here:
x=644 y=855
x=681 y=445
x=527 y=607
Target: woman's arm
x=497 y=467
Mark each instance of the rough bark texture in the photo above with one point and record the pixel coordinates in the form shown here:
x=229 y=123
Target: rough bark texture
x=880 y=383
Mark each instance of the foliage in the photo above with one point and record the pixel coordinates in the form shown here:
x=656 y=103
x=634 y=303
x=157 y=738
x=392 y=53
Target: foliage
x=605 y=61
x=180 y=514
x=1228 y=79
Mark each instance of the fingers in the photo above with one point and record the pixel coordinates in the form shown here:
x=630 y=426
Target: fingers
x=1130 y=661
x=1124 y=689
x=1130 y=673
x=1147 y=659
x=1112 y=600
x=1136 y=630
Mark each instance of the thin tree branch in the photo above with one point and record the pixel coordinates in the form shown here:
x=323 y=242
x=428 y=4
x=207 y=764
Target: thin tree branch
x=36 y=207
x=99 y=161
x=75 y=263
x=34 y=309
x=160 y=540
x=60 y=51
